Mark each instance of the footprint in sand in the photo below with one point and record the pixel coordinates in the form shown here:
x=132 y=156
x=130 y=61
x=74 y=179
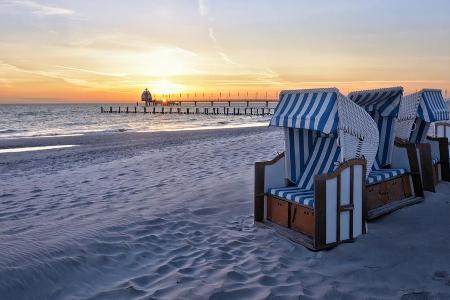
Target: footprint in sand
x=416 y=296
x=206 y=211
x=442 y=276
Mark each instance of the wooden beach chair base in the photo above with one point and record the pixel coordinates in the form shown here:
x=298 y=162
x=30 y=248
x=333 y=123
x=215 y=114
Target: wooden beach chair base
x=388 y=196
x=294 y=236
x=293 y=221
x=291 y=215
x=391 y=207
x=338 y=213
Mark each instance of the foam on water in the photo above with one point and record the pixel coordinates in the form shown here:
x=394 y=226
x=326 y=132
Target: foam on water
x=40 y=148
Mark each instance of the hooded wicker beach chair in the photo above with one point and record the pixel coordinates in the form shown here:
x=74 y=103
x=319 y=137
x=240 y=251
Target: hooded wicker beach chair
x=442 y=129
x=418 y=112
x=389 y=183
x=313 y=192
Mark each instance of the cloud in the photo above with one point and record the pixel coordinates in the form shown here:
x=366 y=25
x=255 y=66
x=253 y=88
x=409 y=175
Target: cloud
x=92 y=71
x=43 y=10
x=211 y=34
x=47 y=74
x=203 y=7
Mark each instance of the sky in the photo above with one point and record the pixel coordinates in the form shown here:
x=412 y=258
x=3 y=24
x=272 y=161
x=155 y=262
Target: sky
x=110 y=50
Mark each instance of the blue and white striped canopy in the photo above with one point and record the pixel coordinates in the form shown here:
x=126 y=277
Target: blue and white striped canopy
x=308 y=109
x=383 y=106
x=385 y=101
x=432 y=106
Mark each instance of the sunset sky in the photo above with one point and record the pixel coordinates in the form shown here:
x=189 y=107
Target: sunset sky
x=110 y=50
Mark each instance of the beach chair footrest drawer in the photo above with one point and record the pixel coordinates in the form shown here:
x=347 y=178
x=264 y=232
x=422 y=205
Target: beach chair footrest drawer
x=278 y=211
x=302 y=219
x=389 y=191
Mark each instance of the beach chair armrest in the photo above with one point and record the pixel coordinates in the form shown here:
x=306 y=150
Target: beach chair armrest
x=405 y=155
x=267 y=174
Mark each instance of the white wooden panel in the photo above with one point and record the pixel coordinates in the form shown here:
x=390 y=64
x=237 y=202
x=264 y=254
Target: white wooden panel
x=435 y=153
x=345 y=199
x=345 y=186
x=345 y=225
x=274 y=175
x=331 y=198
x=400 y=159
x=440 y=130
x=357 y=200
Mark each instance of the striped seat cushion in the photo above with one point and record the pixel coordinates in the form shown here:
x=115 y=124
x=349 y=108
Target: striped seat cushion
x=295 y=194
x=383 y=174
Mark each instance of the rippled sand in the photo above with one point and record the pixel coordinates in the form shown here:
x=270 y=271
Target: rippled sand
x=170 y=216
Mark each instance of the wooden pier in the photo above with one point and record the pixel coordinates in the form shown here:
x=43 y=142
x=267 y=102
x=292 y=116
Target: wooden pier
x=246 y=108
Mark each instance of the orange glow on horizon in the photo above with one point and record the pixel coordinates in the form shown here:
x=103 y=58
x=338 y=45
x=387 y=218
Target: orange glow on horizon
x=56 y=56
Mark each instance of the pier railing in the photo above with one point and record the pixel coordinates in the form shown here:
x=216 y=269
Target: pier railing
x=248 y=108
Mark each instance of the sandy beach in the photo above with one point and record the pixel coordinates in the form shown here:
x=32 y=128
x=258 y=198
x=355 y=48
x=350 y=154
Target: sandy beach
x=169 y=215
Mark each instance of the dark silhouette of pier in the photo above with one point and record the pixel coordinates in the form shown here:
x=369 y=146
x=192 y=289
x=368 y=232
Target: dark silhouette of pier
x=206 y=107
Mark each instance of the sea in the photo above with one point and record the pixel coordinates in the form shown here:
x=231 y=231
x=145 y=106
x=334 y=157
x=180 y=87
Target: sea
x=43 y=120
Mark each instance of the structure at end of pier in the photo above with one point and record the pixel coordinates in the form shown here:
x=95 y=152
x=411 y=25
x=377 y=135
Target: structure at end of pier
x=146 y=97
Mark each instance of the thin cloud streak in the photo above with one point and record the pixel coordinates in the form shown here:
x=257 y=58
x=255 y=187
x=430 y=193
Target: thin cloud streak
x=92 y=71
x=53 y=75
x=43 y=10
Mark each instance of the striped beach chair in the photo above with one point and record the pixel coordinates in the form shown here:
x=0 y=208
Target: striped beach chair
x=441 y=129
x=388 y=187
x=419 y=112
x=313 y=192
